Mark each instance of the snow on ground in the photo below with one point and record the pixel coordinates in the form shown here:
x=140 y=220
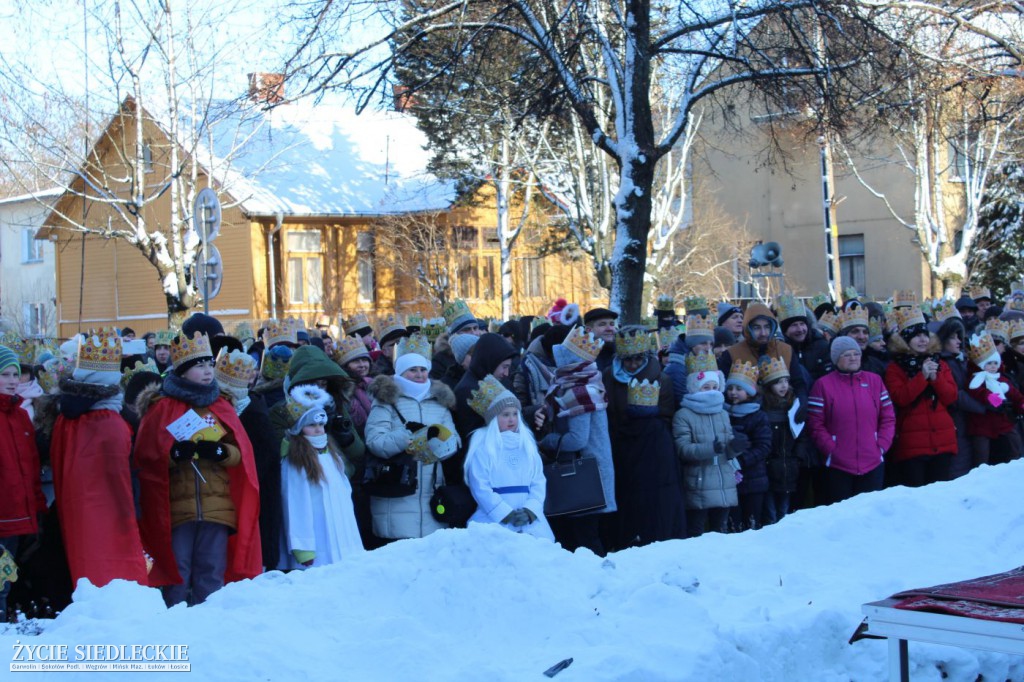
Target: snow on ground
x=485 y=604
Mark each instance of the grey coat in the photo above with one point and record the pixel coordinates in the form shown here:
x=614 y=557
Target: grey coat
x=708 y=477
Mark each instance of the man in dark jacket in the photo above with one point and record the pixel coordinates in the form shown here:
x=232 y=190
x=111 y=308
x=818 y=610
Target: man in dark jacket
x=808 y=344
x=601 y=322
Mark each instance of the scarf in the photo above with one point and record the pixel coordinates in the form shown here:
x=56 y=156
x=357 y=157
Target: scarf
x=620 y=373
x=411 y=389
x=743 y=409
x=241 y=404
x=198 y=395
x=541 y=376
x=29 y=390
x=318 y=442
x=910 y=363
x=704 y=402
x=991 y=381
x=511 y=446
x=578 y=389
x=78 y=397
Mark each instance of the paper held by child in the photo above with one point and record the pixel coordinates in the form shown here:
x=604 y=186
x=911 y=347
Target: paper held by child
x=793 y=426
x=191 y=426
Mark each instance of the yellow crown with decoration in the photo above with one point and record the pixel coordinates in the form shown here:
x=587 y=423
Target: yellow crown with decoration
x=850 y=294
x=691 y=304
x=906 y=317
x=414 y=343
x=273 y=365
x=357 y=323
x=585 y=345
x=1016 y=329
x=350 y=348
x=414 y=320
x=903 y=298
x=184 y=349
x=643 y=393
x=433 y=328
x=164 y=337
x=1015 y=305
x=280 y=331
x=665 y=302
x=22 y=348
x=944 y=309
x=670 y=335
x=982 y=348
x=788 y=307
x=100 y=351
x=234 y=368
x=390 y=323
x=828 y=321
x=244 y=332
x=630 y=343
x=52 y=372
x=928 y=308
x=853 y=316
x=700 y=326
x=701 y=362
x=489 y=392
x=771 y=369
x=874 y=329
x=745 y=370
x=820 y=298
x=454 y=310
x=998 y=329
x=148 y=366
x=980 y=292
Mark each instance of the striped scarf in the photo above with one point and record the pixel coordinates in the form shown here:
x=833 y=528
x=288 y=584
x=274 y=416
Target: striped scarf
x=577 y=389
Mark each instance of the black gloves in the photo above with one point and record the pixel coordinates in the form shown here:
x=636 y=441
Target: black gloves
x=801 y=413
x=340 y=427
x=211 y=450
x=739 y=443
x=719 y=448
x=182 y=450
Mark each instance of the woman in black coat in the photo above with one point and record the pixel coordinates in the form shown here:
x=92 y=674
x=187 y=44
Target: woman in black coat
x=953 y=337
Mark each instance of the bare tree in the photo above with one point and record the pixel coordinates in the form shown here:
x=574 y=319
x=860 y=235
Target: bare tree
x=418 y=247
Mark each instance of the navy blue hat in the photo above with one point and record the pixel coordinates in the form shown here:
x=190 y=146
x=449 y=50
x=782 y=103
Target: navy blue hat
x=200 y=322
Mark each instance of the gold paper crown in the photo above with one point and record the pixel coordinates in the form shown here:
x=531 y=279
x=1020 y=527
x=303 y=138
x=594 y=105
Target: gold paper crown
x=820 y=298
x=829 y=321
x=670 y=335
x=1015 y=305
x=926 y=308
x=413 y=320
x=631 y=343
x=874 y=329
x=454 y=310
x=390 y=323
x=854 y=316
x=304 y=398
x=980 y=292
x=700 y=326
x=350 y=348
x=771 y=369
x=280 y=331
x=744 y=369
x=583 y=344
x=655 y=339
x=692 y=304
x=493 y=326
x=433 y=328
x=357 y=323
x=414 y=343
x=487 y=393
x=244 y=332
x=52 y=372
x=644 y=393
x=887 y=307
x=234 y=368
x=184 y=349
x=981 y=348
x=100 y=351
x=20 y=346
x=665 y=302
x=998 y=329
x=164 y=337
x=944 y=309
x=850 y=294
x=148 y=366
x=273 y=367
x=701 y=362
x=713 y=311
x=904 y=297
x=789 y=306
x=1016 y=329
x=907 y=317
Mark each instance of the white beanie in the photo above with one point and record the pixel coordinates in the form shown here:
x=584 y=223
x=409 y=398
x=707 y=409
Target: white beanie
x=408 y=361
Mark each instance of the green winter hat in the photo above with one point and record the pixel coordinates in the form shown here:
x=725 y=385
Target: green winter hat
x=9 y=358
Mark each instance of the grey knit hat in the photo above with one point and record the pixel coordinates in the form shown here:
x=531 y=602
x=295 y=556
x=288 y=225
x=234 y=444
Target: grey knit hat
x=461 y=345
x=840 y=345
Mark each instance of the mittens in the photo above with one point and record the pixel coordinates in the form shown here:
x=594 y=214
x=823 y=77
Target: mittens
x=211 y=450
x=519 y=518
x=183 y=450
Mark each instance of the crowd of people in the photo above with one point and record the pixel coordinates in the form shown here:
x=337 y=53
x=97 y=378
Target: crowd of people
x=193 y=457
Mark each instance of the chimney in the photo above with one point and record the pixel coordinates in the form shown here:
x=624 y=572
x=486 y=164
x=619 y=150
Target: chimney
x=402 y=98
x=266 y=88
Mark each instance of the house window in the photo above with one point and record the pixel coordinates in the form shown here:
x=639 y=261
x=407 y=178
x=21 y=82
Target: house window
x=851 y=261
x=35 y=320
x=487 y=276
x=305 y=267
x=31 y=248
x=147 y=158
x=466 y=238
x=364 y=268
x=533 y=277
x=469 y=279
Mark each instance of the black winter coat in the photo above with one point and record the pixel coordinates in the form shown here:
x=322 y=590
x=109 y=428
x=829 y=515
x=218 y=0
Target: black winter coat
x=266 y=452
x=965 y=404
x=813 y=354
x=788 y=454
x=754 y=461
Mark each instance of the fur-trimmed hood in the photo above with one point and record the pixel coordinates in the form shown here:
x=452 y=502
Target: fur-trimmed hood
x=85 y=390
x=263 y=387
x=45 y=409
x=897 y=346
x=385 y=389
x=147 y=398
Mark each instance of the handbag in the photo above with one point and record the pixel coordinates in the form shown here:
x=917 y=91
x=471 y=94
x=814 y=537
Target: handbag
x=573 y=485
x=452 y=504
x=394 y=477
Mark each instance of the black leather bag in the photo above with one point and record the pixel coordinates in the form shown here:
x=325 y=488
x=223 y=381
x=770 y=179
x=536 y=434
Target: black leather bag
x=452 y=504
x=573 y=485
x=395 y=477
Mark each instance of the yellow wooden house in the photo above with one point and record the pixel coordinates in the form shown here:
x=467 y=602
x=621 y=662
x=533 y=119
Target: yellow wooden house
x=312 y=198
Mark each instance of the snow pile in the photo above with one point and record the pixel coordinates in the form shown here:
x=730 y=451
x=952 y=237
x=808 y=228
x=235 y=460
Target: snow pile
x=776 y=604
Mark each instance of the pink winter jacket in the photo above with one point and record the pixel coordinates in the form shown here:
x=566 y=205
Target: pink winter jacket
x=851 y=420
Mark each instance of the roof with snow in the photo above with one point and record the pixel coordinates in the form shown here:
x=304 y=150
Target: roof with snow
x=325 y=160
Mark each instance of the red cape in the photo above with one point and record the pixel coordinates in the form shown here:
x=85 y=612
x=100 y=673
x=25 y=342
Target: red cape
x=152 y=457
x=93 y=483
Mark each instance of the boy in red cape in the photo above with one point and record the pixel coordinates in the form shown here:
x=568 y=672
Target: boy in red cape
x=199 y=492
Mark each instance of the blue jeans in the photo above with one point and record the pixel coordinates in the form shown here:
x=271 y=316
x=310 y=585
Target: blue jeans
x=201 y=551
x=776 y=506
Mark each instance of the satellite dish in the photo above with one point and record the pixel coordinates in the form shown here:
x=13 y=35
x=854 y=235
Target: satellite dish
x=210 y=275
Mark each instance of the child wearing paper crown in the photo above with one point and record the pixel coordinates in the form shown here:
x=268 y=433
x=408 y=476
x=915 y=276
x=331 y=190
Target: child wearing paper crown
x=319 y=519
x=784 y=462
x=21 y=493
x=198 y=481
x=752 y=431
x=994 y=435
x=503 y=468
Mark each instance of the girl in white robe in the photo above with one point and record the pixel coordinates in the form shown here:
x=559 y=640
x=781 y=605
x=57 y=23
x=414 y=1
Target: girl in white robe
x=319 y=520
x=503 y=468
